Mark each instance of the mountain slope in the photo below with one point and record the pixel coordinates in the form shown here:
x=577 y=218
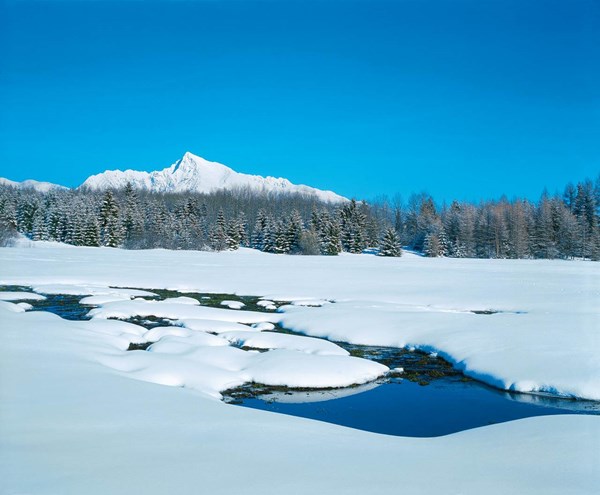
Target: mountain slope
x=31 y=184
x=195 y=174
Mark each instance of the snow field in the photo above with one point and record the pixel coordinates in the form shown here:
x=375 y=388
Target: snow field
x=543 y=339
x=72 y=421
x=73 y=425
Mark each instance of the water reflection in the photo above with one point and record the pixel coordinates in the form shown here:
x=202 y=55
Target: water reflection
x=405 y=408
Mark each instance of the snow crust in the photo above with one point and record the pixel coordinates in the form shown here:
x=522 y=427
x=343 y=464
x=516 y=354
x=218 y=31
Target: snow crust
x=193 y=173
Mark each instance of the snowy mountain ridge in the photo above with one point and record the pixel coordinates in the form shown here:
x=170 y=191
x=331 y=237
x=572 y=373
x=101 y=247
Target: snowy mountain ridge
x=195 y=174
x=31 y=184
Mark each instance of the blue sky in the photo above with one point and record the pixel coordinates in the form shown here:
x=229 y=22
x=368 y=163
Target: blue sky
x=465 y=99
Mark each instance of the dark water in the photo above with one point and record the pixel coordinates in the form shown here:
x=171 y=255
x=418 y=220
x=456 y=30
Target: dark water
x=428 y=399
x=64 y=305
x=405 y=408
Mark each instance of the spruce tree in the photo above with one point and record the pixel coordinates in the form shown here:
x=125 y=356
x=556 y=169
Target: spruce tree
x=110 y=228
x=390 y=243
x=331 y=243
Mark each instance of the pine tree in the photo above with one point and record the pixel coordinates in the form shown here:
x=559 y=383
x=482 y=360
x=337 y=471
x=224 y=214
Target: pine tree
x=258 y=233
x=331 y=243
x=294 y=227
x=242 y=231
x=110 y=229
x=586 y=213
x=435 y=243
x=282 y=240
x=218 y=234
x=233 y=237
x=270 y=235
x=132 y=222
x=390 y=243
x=353 y=227
x=91 y=234
x=39 y=231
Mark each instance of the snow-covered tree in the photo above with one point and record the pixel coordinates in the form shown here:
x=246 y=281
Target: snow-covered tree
x=390 y=243
x=111 y=234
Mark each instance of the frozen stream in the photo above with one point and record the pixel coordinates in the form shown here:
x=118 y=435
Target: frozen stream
x=428 y=399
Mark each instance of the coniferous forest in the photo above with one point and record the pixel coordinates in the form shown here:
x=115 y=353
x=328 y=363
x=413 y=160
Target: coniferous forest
x=556 y=226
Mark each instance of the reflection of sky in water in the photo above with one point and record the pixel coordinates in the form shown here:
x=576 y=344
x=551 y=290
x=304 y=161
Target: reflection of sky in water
x=404 y=408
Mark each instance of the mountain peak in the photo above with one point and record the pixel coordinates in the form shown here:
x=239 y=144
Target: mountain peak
x=191 y=163
x=186 y=160
x=195 y=174
x=190 y=158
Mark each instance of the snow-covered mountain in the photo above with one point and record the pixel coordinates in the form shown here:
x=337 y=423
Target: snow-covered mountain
x=193 y=173
x=31 y=184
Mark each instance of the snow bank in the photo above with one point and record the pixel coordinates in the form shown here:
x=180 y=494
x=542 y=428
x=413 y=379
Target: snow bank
x=76 y=289
x=270 y=340
x=519 y=352
x=99 y=300
x=213 y=326
x=20 y=296
x=177 y=310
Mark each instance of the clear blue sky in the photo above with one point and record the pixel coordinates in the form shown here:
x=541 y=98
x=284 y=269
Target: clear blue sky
x=462 y=98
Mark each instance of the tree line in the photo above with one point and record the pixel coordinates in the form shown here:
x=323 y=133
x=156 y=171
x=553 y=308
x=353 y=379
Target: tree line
x=558 y=226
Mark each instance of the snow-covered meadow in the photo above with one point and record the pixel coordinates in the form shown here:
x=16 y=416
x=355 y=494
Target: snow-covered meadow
x=73 y=420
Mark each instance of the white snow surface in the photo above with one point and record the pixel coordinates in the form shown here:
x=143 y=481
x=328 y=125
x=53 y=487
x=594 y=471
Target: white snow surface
x=213 y=326
x=20 y=296
x=76 y=289
x=271 y=340
x=73 y=426
x=233 y=304
x=179 y=309
x=193 y=173
x=72 y=421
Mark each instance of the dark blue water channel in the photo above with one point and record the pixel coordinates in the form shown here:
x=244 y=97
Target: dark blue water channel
x=428 y=399
x=405 y=408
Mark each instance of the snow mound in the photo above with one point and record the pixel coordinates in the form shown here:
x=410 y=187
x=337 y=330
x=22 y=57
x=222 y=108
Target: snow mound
x=233 y=304
x=270 y=340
